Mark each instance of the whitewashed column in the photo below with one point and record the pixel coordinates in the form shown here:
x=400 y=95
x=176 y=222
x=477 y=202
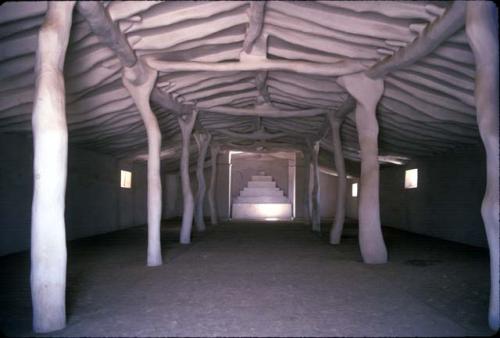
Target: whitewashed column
x=482 y=33
x=223 y=191
x=292 y=169
x=171 y=187
x=367 y=93
x=203 y=141
x=140 y=81
x=50 y=140
x=307 y=187
x=315 y=211
x=214 y=150
x=338 y=223
x=186 y=123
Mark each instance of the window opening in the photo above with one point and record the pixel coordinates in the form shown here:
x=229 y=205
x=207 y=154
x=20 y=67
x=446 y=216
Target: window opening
x=411 y=178
x=126 y=179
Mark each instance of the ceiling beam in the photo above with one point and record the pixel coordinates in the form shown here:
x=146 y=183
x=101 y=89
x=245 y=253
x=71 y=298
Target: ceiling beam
x=312 y=68
x=256 y=20
x=431 y=37
x=265 y=111
x=110 y=35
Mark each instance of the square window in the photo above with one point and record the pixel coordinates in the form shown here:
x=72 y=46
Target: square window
x=126 y=179
x=411 y=179
x=354 y=190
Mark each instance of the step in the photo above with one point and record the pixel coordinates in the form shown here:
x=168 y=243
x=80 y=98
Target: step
x=262 y=189
x=262 y=178
x=261 y=199
x=261 y=184
x=261 y=192
x=262 y=211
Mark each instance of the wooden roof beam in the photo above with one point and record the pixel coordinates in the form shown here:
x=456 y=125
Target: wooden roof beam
x=431 y=37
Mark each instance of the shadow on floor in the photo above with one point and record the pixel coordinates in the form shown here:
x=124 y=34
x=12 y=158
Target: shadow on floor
x=260 y=279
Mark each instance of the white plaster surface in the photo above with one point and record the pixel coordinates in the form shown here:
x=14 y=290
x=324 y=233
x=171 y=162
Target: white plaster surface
x=261 y=199
x=246 y=166
x=262 y=211
x=95 y=203
x=446 y=202
x=50 y=147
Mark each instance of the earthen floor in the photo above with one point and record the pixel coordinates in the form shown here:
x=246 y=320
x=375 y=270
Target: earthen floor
x=260 y=279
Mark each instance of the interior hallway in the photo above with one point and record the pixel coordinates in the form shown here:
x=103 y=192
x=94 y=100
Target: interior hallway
x=260 y=279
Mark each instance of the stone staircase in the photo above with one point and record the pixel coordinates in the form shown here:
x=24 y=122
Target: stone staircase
x=262 y=200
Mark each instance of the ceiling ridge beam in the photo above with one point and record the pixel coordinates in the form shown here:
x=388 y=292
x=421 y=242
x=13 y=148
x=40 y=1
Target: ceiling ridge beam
x=265 y=111
x=339 y=68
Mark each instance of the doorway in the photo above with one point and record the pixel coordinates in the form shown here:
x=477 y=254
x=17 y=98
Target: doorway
x=262 y=185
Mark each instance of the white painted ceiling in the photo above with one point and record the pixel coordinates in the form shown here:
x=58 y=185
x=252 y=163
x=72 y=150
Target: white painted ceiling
x=427 y=107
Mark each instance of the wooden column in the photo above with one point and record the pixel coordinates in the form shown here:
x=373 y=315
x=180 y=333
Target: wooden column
x=307 y=187
x=315 y=212
x=367 y=93
x=50 y=140
x=140 y=81
x=214 y=150
x=186 y=123
x=203 y=141
x=338 y=223
x=482 y=33
x=171 y=187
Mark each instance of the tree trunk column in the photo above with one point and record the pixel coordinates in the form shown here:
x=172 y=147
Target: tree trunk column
x=482 y=33
x=139 y=81
x=292 y=170
x=186 y=123
x=214 y=150
x=203 y=141
x=171 y=186
x=367 y=93
x=315 y=212
x=338 y=223
x=307 y=188
x=50 y=140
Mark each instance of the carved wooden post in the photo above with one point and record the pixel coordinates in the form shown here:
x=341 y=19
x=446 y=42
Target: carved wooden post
x=50 y=140
x=482 y=33
x=315 y=212
x=186 y=123
x=203 y=141
x=139 y=81
x=171 y=187
x=338 y=223
x=367 y=93
x=214 y=150
x=307 y=187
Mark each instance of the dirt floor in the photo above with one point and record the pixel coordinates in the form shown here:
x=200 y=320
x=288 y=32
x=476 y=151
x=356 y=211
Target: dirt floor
x=260 y=279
